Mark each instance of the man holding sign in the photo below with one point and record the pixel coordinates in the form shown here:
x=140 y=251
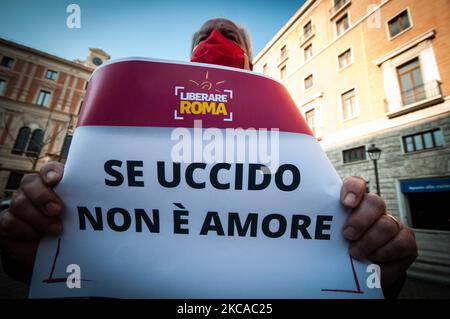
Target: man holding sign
x=37 y=211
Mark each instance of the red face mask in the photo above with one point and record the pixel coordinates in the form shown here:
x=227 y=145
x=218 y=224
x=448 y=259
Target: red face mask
x=217 y=49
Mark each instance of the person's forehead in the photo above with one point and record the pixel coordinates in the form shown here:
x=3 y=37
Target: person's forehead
x=220 y=24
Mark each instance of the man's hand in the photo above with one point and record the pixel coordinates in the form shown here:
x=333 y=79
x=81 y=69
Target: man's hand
x=35 y=211
x=374 y=234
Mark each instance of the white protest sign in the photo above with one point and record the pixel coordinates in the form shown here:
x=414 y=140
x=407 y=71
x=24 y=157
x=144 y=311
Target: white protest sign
x=196 y=181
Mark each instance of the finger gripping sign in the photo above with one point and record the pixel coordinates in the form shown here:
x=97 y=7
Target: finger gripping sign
x=188 y=180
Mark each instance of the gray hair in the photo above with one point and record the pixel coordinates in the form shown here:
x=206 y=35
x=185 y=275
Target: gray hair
x=242 y=32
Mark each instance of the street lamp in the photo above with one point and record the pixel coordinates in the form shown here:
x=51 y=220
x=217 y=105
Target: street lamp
x=374 y=154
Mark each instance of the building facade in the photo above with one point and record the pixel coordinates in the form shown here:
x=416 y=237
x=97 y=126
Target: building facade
x=366 y=72
x=40 y=98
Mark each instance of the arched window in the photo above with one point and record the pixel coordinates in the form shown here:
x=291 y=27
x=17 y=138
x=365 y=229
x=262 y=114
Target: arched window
x=21 y=140
x=35 y=143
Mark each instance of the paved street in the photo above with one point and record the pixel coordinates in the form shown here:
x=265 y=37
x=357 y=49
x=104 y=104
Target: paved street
x=10 y=288
x=415 y=288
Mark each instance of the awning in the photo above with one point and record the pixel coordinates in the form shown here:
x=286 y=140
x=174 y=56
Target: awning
x=425 y=185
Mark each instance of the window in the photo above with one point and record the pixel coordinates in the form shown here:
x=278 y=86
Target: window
x=21 y=140
x=307 y=30
x=14 y=179
x=2 y=86
x=308 y=52
x=43 y=98
x=338 y=5
x=354 y=154
x=399 y=23
x=283 y=52
x=264 y=68
x=411 y=84
x=349 y=104
x=51 y=75
x=7 y=62
x=423 y=141
x=345 y=59
x=36 y=141
x=416 y=73
x=308 y=82
x=342 y=24
x=310 y=119
x=66 y=146
x=283 y=72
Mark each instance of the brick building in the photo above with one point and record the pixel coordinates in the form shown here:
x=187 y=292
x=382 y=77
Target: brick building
x=40 y=99
x=378 y=72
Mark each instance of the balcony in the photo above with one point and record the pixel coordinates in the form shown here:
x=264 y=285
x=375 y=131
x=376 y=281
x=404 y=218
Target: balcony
x=282 y=57
x=307 y=34
x=417 y=98
x=338 y=7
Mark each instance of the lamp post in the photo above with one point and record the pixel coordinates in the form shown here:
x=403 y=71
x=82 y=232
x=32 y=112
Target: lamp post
x=374 y=154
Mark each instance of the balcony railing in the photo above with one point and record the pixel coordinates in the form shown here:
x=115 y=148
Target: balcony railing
x=416 y=98
x=307 y=34
x=421 y=92
x=337 y=6
x=284 y=55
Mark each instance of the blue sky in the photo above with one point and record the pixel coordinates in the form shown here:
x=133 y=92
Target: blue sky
x=158 y=29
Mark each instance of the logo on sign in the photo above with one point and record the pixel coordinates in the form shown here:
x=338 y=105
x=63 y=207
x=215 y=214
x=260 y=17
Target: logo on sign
x=204 y=97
